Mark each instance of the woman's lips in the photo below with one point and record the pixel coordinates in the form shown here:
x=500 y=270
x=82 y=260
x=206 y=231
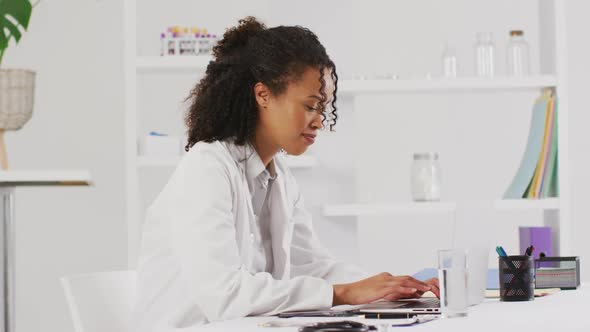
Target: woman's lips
x=310 y=138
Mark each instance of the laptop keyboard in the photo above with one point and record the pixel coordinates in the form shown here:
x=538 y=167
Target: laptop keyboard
x=424 y=302
x=431 y=302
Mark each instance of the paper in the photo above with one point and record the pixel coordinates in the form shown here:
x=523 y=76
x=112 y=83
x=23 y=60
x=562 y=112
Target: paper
x=528 y=165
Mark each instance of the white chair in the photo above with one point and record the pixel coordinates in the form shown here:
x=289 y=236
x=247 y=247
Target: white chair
x=101 y=302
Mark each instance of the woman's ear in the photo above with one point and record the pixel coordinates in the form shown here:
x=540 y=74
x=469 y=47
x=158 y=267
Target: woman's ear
x=262 y=94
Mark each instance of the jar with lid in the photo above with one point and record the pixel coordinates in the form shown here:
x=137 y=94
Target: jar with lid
x=426 y=177
x=517 y=54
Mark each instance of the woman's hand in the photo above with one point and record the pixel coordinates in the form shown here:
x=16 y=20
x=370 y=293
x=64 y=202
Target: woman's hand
x=434 y=287
x=382 y=286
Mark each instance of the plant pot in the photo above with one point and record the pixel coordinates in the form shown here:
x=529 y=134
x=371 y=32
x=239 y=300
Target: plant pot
x=17 y=90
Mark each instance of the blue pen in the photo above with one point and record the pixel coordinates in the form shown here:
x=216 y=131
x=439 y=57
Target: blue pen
x=498 y=251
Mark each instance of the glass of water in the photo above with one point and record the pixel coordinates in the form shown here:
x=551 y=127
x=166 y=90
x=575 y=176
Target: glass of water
x=452 y=275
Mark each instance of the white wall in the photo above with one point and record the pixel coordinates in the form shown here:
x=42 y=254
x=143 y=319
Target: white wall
x=76 y=47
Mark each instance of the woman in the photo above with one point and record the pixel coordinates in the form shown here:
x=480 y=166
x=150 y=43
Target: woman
x=229 y=235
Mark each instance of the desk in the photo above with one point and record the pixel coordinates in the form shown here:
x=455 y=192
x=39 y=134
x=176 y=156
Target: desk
x=9 y=181
x=562 y=311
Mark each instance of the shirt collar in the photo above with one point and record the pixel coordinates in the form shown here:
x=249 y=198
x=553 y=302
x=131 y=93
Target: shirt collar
x=250 y=162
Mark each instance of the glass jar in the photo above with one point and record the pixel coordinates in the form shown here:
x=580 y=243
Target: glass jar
x=426 y=180
x=484 y=54
x=517 y=55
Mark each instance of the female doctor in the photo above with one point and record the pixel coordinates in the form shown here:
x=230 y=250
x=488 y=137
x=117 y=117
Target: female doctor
x=229 y=235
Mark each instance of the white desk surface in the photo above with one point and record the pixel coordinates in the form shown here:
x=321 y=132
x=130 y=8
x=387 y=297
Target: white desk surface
x=17 y=178
x=562 y=311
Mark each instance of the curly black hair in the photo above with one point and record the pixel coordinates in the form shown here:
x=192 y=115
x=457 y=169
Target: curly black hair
x=223 y=105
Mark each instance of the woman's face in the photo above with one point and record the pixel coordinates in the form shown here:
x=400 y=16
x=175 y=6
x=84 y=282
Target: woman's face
x=292 y=119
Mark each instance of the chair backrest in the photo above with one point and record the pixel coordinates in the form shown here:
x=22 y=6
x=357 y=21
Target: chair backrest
x=101 y=301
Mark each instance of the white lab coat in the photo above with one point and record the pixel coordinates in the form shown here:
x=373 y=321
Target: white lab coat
x=198 y=242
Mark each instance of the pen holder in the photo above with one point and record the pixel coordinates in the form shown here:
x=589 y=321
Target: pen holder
x=516 y=275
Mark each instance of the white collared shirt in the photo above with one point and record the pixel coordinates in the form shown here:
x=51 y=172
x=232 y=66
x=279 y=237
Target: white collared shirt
x=260 y=180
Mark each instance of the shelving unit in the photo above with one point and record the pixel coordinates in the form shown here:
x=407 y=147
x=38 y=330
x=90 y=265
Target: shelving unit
x=356 y=210
x=354 y=87
x=345 y=210
x=556 y=211
x=545 y=204
x=145 y=63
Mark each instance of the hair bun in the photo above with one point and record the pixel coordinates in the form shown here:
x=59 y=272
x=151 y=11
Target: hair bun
x=237 y=37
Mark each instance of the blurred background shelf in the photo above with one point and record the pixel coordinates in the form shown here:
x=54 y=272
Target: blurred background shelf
x=146 y=63
x=444 y=84
x=528 y=204
x=342 y=210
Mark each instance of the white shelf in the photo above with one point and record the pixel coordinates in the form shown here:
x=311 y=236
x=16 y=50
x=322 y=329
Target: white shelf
x=47 y=177
x=342 y=210
x=444 y=84
x=351 y=210
x=527 y=204
x=198 y=62
x=149 y=161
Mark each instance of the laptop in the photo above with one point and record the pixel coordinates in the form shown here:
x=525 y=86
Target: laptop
x=406 y=307
x=424 y=305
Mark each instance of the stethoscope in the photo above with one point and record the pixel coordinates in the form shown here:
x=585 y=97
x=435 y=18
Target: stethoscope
x=341 y=326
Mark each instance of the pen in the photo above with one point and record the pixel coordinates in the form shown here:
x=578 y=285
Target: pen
x=501 y=251
x=529 y=250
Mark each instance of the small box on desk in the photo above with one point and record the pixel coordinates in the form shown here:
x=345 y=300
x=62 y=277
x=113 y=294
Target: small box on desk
x=557 y=272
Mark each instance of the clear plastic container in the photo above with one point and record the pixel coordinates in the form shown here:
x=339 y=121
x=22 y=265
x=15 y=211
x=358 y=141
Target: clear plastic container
x=426 y=179
x=517 y=55
x=449 y=62
x=485 y=54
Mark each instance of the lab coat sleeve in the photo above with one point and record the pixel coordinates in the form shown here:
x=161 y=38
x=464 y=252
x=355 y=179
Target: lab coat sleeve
x=204 y=241
x=309 y=257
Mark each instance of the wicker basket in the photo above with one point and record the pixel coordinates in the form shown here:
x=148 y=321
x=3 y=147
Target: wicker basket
x=17 y=88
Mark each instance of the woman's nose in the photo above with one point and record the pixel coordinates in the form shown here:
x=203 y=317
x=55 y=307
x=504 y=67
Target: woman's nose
x=318 y=121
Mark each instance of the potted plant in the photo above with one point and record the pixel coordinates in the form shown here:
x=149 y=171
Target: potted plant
x=16 y=85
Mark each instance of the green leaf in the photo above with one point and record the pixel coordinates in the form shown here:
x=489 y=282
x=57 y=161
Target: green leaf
x=20 y=10
x=12 y=28
x=3 y=41
x=14 y=15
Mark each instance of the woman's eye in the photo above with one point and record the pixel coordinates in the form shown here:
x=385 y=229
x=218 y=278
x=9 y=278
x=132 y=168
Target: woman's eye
x=310 y=109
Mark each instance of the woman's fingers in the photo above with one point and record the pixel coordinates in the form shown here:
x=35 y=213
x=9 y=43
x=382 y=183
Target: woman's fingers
x=400 y=292
x=434 y=286
x=410 y=282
